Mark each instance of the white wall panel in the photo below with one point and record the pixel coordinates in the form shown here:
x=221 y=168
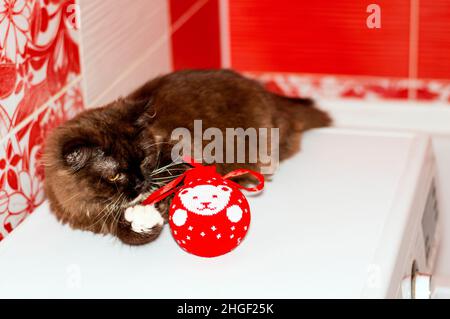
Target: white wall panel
x=124 y=43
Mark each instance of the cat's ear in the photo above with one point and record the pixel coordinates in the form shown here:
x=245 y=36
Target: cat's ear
x=77 y=155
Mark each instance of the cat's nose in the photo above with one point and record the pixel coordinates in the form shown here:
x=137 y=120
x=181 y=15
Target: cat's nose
x=205 y=203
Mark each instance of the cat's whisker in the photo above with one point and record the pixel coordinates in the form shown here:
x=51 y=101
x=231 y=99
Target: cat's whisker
x=170 y=170
x=154 y=144
x=159 y=184
x=116 y=215
x=159 y=158
x=71 y=198
x=161 y=169
x=166 y=178
x=103 y=217
x=114 y=208
x=111 y=209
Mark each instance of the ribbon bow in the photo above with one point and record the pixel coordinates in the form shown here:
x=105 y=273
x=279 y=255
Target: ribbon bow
x=198 y=170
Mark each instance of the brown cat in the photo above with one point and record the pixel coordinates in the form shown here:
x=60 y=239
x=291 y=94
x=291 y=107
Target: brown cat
x=106 y=160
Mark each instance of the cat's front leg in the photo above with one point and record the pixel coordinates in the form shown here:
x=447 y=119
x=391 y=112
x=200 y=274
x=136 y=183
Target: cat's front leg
x=140 y=225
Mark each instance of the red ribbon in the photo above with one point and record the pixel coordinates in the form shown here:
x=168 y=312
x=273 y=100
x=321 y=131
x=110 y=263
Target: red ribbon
x=174 y=185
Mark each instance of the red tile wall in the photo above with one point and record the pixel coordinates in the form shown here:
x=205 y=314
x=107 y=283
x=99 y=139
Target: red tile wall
x=319 y=36
x=434 y=39
x=197 y=43
x=327 y=46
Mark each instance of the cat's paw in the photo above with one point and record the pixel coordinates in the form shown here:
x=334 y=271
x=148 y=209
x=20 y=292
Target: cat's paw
x=234 y=213
x=143 y=218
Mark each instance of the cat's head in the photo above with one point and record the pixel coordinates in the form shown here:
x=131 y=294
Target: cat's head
x=100 y=161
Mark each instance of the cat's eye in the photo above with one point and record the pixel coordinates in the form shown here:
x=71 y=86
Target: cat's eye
x=114 y=178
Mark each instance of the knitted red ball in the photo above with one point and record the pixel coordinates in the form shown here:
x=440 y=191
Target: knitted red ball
x=209 y=216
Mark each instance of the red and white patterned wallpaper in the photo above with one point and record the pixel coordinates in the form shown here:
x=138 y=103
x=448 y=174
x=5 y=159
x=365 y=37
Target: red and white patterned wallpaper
x=39 y=88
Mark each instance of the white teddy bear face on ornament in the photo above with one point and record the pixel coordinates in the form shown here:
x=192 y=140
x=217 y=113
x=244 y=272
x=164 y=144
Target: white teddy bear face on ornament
x=206 y=199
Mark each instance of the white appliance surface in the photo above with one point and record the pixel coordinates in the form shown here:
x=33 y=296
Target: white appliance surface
x=330 y=224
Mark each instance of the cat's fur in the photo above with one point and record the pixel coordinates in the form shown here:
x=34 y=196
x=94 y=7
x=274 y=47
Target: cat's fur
x=131 y=136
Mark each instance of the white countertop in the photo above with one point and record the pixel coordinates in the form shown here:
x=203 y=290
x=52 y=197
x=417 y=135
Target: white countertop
x=314 y=233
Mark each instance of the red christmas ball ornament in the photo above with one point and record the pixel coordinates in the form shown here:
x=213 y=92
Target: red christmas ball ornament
x=209 y=216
